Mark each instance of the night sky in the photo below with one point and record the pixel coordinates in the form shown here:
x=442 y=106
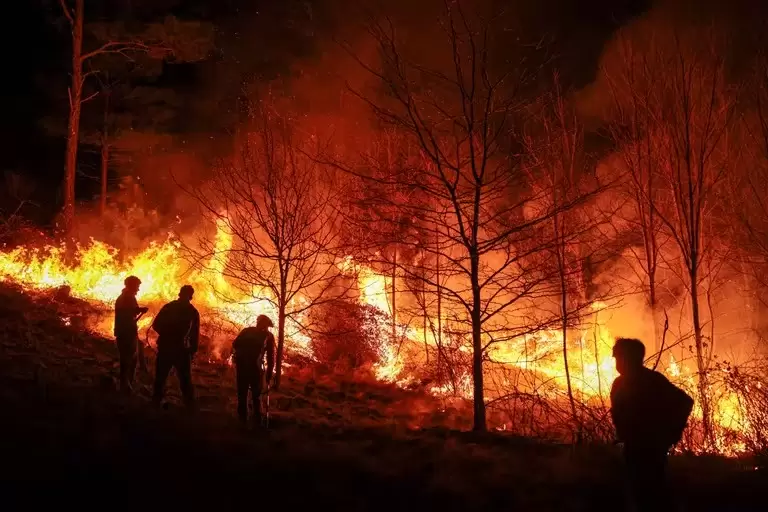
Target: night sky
x=253 y=38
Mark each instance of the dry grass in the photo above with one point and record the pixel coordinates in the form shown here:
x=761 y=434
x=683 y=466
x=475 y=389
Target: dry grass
x=336 y=442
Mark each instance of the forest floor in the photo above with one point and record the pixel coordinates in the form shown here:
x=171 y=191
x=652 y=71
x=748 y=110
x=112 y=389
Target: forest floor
x=334 y=443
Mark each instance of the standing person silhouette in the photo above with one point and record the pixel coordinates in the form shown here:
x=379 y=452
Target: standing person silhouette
x=178 y=328
x=126 y=331
x=250 y=347
x=650 y=415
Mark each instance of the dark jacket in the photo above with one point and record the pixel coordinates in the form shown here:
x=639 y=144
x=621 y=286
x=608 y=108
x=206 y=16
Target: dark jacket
x=250 y=347
x=178 y=326
x=648 y=410
x=126 y=311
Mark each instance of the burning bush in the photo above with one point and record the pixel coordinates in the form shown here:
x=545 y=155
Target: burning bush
x=749 y=385
x=347 y=335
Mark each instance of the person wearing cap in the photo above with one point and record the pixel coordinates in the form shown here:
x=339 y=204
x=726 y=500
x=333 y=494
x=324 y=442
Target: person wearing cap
x=649 y=414
x=178 y=328
x=126 y=331
x=249 y=349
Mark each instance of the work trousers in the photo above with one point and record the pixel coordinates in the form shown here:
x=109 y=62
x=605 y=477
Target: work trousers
x=249 y=378
x=647 y=478
x=127 y=346
x=181 y=360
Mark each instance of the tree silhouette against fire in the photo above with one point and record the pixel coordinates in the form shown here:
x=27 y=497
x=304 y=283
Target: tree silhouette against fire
x=464 y=115
x=473 y=195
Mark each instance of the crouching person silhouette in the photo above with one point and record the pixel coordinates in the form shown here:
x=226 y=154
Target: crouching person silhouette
x=249 y=348
x=650 y=415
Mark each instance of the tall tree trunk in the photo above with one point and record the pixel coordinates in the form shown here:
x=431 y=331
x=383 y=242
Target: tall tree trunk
x=478 y=389
x=595 y=344
x=651 y=250
x=425 y=317
x=439 y=293
x=654 y=313
x=702 y=367
x=73 y=129
x=394 y=298
x=280 y=336
x=425 y=329
x=439 y=334
x=104 y=157
x=651 y=264
x=561 y=268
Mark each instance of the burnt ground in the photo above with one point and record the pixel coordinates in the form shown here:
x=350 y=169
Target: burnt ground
x=68 y=438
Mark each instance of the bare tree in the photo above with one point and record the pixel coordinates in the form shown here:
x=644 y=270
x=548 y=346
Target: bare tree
x=377 y=222
x=280 y=209
x=158 y=41
x=75 y=17
x=428 y=309
x=461 y=110
x=692 y=107
x=751 y=187
x=560 y=165
x=631 y=125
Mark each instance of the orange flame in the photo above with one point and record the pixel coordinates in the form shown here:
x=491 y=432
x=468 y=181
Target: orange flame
x=591 y=363
x=99 y=272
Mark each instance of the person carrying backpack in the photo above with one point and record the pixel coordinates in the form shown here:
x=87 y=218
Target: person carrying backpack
x=249 y=349
x=650 y=415
x=178 y=328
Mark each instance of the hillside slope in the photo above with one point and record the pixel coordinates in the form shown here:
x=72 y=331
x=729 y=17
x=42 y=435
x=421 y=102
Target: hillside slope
x=68 y=438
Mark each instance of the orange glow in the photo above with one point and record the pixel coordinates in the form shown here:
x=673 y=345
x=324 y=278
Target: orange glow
x=591 y=363
x=98 y=272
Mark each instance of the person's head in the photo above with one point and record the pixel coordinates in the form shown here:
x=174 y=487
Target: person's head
x=186 y=293
x=629 y=354
x=263 y=322
x=132 y=284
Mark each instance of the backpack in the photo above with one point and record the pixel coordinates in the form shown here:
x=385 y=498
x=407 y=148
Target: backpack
x=251 y=346
x=161 y=323
x=169 y=323
x=679 y=406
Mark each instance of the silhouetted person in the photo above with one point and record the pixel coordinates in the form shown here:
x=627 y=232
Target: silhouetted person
x=178 y=328
x=127 y=313
x=649 y=414
x=249 y=348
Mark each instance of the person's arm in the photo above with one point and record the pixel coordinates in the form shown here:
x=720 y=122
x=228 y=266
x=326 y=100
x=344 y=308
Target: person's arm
x=270 y=357
x=116 y=323
x=681 y=406
x=157 y=323
x=137 y=311
x=194 y=333
x=238 y=342
x=621 y=420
